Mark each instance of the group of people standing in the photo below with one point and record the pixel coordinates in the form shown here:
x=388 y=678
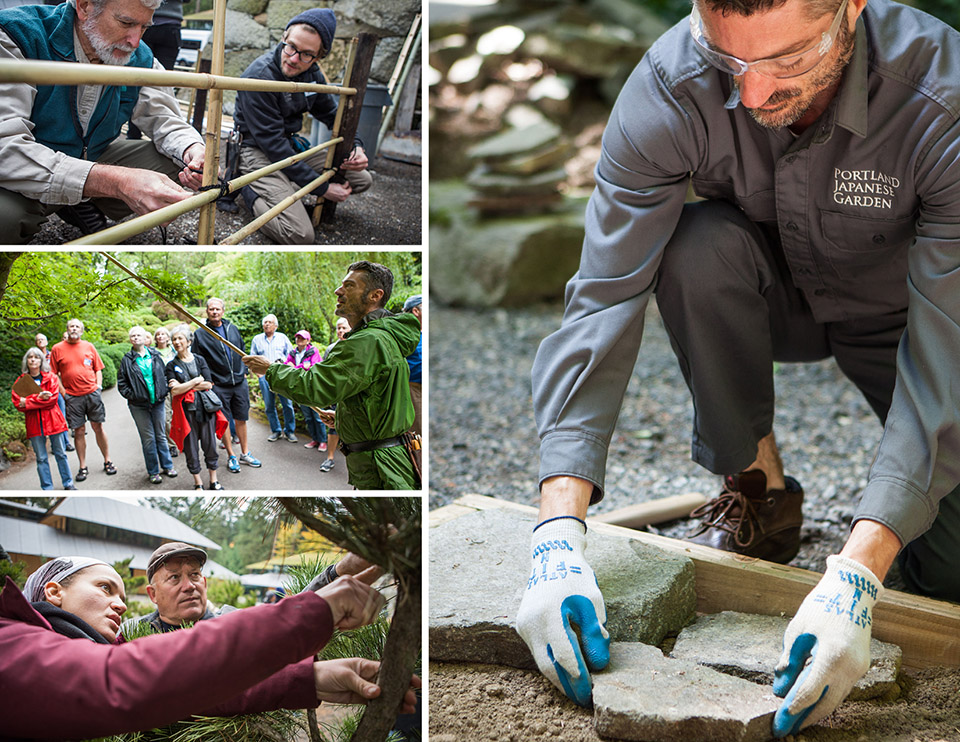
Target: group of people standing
x=188 y=390
x=301 y=353
x=182 y=392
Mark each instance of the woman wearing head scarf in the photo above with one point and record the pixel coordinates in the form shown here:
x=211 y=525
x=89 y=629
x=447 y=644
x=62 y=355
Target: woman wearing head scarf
x=64 y=676
x=44 y=418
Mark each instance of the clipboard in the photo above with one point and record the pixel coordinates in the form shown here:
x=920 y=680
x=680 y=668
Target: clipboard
x=25 y=386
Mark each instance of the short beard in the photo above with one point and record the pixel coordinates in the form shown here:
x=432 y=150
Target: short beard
x=103 y=48
x=828 y=77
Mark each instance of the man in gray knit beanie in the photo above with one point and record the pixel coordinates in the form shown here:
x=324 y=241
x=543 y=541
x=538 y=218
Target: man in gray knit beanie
x=270 y=124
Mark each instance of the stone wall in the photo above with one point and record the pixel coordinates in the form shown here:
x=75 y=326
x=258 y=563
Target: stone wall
x=255 y=26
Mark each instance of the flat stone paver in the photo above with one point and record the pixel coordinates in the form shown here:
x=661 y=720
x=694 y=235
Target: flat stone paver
x=479 y=567
x=643 y=695
x=749 y=647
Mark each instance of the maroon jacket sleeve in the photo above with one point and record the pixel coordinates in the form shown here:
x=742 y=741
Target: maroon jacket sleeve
x=52 y=687
x=293 y=687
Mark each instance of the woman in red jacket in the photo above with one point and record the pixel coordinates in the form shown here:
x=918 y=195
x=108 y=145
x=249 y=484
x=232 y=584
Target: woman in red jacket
x=64 y=677
x=44 y=418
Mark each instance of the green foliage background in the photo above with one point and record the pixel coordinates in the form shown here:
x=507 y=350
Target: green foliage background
x=45 y=289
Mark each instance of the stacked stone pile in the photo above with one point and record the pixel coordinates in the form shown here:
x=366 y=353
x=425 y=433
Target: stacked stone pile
x=255 y=26
x=715 y=682
x=519 y=171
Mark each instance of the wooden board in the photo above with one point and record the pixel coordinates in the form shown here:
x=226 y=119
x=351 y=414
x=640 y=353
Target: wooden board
x=927 y=630
x=654 y=511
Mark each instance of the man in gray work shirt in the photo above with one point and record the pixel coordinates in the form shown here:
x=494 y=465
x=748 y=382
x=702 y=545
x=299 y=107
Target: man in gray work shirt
x=823 y=137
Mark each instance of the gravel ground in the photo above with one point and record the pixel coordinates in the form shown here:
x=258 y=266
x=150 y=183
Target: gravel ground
x=389 y=213
x=484 y=440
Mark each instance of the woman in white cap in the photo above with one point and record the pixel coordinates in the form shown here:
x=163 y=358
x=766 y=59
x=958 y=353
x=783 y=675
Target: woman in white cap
x=64 y=677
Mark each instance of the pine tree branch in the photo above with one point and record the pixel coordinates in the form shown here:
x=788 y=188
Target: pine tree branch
x=396 y=668
x=57 y=314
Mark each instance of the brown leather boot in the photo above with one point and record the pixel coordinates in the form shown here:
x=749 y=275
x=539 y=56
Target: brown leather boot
x=749 y=520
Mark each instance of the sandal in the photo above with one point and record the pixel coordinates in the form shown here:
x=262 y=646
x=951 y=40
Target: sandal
x=216 y=486
x=109 y=468
x=82 y=474
x=198 y=486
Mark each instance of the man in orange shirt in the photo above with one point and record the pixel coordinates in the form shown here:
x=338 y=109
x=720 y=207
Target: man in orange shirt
x=81 y=379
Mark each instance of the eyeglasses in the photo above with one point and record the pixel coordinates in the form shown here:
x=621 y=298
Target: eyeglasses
x=290 y=50
x=791 y=65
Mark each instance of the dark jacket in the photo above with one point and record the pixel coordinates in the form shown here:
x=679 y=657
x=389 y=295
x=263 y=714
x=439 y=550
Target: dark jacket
x=130 y=381
x=226 y=368
x=268 y=120
x=46 y=33
x=175 y=370
x=58 y=688
x=162 y=626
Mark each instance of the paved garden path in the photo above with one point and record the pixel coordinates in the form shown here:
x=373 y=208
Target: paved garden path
x=286 y=466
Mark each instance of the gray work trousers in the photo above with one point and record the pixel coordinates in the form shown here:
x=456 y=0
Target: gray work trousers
x=293 y=225
x=22 y=217
x=721 y=266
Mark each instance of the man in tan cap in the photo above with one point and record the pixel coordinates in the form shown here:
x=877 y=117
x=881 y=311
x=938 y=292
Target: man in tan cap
x=179 y=589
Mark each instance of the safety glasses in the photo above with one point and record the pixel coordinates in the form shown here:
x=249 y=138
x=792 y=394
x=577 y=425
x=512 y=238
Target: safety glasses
x=791 y=65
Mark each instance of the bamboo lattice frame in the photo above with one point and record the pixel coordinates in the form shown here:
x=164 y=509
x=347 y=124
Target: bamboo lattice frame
x=39 y=72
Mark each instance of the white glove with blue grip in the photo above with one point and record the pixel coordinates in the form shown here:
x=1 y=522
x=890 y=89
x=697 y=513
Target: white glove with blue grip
x=562 y=592
x=832 y=629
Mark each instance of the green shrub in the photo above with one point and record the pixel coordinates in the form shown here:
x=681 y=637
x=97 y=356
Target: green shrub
x=224 y=592
x=109 y=372
x=16 y=570
x=248 y=318
x=13 y=426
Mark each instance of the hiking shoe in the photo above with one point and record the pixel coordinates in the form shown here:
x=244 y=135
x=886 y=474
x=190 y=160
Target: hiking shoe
x=292 y=438
x=311 y=444
x=170 y=473
x=249 y=196
x=174 y=452
x=155 y=479
x=249 y=460
x=227 y=204
x=85 y=216
x=327 y=465
x=273 y=437
x=747 y=519
x=232 y=466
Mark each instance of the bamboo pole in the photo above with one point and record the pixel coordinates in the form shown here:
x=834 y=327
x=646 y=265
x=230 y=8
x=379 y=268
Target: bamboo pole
x=211 y=163
x=335 y=131
x=38 y=72
x=408 y=64
x=268 y=215
x=114 y=234
x=173 y=304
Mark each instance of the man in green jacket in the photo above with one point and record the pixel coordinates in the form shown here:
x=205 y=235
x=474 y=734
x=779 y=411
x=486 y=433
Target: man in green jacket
x=366 y=375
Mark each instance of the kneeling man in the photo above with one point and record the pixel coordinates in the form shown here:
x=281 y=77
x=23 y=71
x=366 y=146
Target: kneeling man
x=270 y=122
